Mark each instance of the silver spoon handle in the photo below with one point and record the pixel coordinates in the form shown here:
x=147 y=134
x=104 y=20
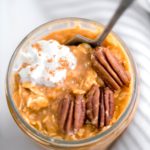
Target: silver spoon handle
x=122 y=7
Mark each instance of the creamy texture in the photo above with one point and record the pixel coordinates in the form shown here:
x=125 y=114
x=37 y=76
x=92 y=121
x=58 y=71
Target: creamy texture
x=46 y=63
x=38 y=104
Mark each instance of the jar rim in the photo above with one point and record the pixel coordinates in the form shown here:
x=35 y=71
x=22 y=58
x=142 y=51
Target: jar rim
x=81 y=142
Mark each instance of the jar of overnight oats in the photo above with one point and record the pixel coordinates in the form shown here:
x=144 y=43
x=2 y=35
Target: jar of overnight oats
x=72 y=96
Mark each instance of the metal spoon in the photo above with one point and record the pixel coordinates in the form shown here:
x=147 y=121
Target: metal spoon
x=77 y=39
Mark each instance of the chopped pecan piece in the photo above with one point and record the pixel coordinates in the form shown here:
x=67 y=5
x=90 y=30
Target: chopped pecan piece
x=71 y=113
x=109 y=68
x=100 y=106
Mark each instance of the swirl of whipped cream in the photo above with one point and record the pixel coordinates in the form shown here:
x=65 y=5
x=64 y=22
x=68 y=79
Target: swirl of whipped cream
x=46 y=64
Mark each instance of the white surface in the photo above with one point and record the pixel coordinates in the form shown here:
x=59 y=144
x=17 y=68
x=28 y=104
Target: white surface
x=145 y=4
x=19 y=17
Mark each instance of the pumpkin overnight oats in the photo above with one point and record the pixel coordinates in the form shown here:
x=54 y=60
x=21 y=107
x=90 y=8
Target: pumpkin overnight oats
x=74 y=97
x=72 y=92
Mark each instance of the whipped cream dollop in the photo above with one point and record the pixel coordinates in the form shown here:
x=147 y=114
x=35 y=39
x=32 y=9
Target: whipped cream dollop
x=46 y=64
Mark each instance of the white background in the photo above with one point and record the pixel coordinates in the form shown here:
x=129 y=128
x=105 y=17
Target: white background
x=19 y=17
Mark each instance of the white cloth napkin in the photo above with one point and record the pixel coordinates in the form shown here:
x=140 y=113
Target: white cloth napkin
x=145 y=4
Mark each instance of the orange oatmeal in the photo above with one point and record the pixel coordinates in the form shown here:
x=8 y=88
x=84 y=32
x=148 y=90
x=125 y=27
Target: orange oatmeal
x=39 y=104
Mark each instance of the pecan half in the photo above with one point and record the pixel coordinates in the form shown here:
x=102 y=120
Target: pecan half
x=69 y=121
x=100 y=106
x=101 y=109
x=92 y=104
x=79 y=112
x=109 y=105
x=71 y=113
x=109 y=68
x=64 y=107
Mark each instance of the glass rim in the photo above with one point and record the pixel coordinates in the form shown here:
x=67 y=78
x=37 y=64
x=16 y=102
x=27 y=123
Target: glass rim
x=59 y=142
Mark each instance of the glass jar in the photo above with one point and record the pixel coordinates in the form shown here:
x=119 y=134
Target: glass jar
x=101 y=140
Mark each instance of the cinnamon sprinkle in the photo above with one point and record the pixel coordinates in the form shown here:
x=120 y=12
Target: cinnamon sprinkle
x=64 y=63
x=52 y=72
x=37 y=46
x=49 y=60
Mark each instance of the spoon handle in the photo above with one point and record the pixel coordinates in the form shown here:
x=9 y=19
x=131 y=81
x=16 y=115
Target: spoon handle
x=122 y=7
